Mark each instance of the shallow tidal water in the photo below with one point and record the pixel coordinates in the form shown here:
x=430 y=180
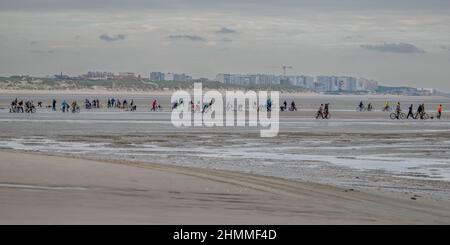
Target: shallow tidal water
x=353 y=149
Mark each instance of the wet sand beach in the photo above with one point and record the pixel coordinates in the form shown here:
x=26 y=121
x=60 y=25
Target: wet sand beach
x=39 y=189
x=398 y=165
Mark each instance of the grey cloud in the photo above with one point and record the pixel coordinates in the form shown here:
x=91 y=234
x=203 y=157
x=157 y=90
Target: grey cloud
x=353 y=37
x=193 y=38
x=227 y=40
x=108 y=38
x=403 y=48
x=43 y=51
x=444 y=47
x=226 y=30
x=216 y=4
x=223 y=49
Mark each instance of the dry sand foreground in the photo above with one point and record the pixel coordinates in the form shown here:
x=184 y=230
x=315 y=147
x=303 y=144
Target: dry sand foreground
x=38 y=189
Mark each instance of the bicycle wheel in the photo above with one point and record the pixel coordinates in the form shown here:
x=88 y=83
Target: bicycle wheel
x=393 y=116
x=402 y=116
x=426 y=116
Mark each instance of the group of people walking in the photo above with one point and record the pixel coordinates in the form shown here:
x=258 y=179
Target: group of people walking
x=65 y=107
x=95 y=103
x=292 y=107
x=420 y=113
x=362 y=107
x=116 y=103
x=19 y=106
x=324 y=111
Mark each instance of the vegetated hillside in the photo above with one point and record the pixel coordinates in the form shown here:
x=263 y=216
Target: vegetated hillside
x=31 y=83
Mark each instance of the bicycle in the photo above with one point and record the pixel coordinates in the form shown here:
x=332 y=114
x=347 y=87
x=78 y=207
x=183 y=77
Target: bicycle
x=361 y=109
x=323 y=115
x=399 y=115
x=76 y=110
x=423 y=116
x=387 y=108
x=30 y=109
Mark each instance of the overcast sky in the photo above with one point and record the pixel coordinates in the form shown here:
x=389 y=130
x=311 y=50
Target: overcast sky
x=398 y=42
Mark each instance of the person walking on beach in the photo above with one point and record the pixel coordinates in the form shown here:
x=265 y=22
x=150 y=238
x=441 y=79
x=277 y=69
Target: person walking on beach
x=419 y=112
x=410 y=112
x=326 y=111
x=54 y=105
x=192 y=106
x=422 y=116
x=154 y=103
x=320 y=112
x=439 y=112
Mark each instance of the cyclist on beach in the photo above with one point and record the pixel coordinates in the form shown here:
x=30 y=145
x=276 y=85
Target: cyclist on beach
x=87 y=104
x=284 y=107
x=29 y=106
x=269 y=104
x=398 y=110
x=293 y=106
x=422 y=114
x=387 y=107
x=419 y=112
x=74 y=106
x=20 y=106
x=361 y=106
x=206 y=106
x=14 y=106
x=64 y=106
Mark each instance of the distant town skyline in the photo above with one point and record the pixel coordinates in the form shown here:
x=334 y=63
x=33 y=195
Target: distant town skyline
x=398 y=42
